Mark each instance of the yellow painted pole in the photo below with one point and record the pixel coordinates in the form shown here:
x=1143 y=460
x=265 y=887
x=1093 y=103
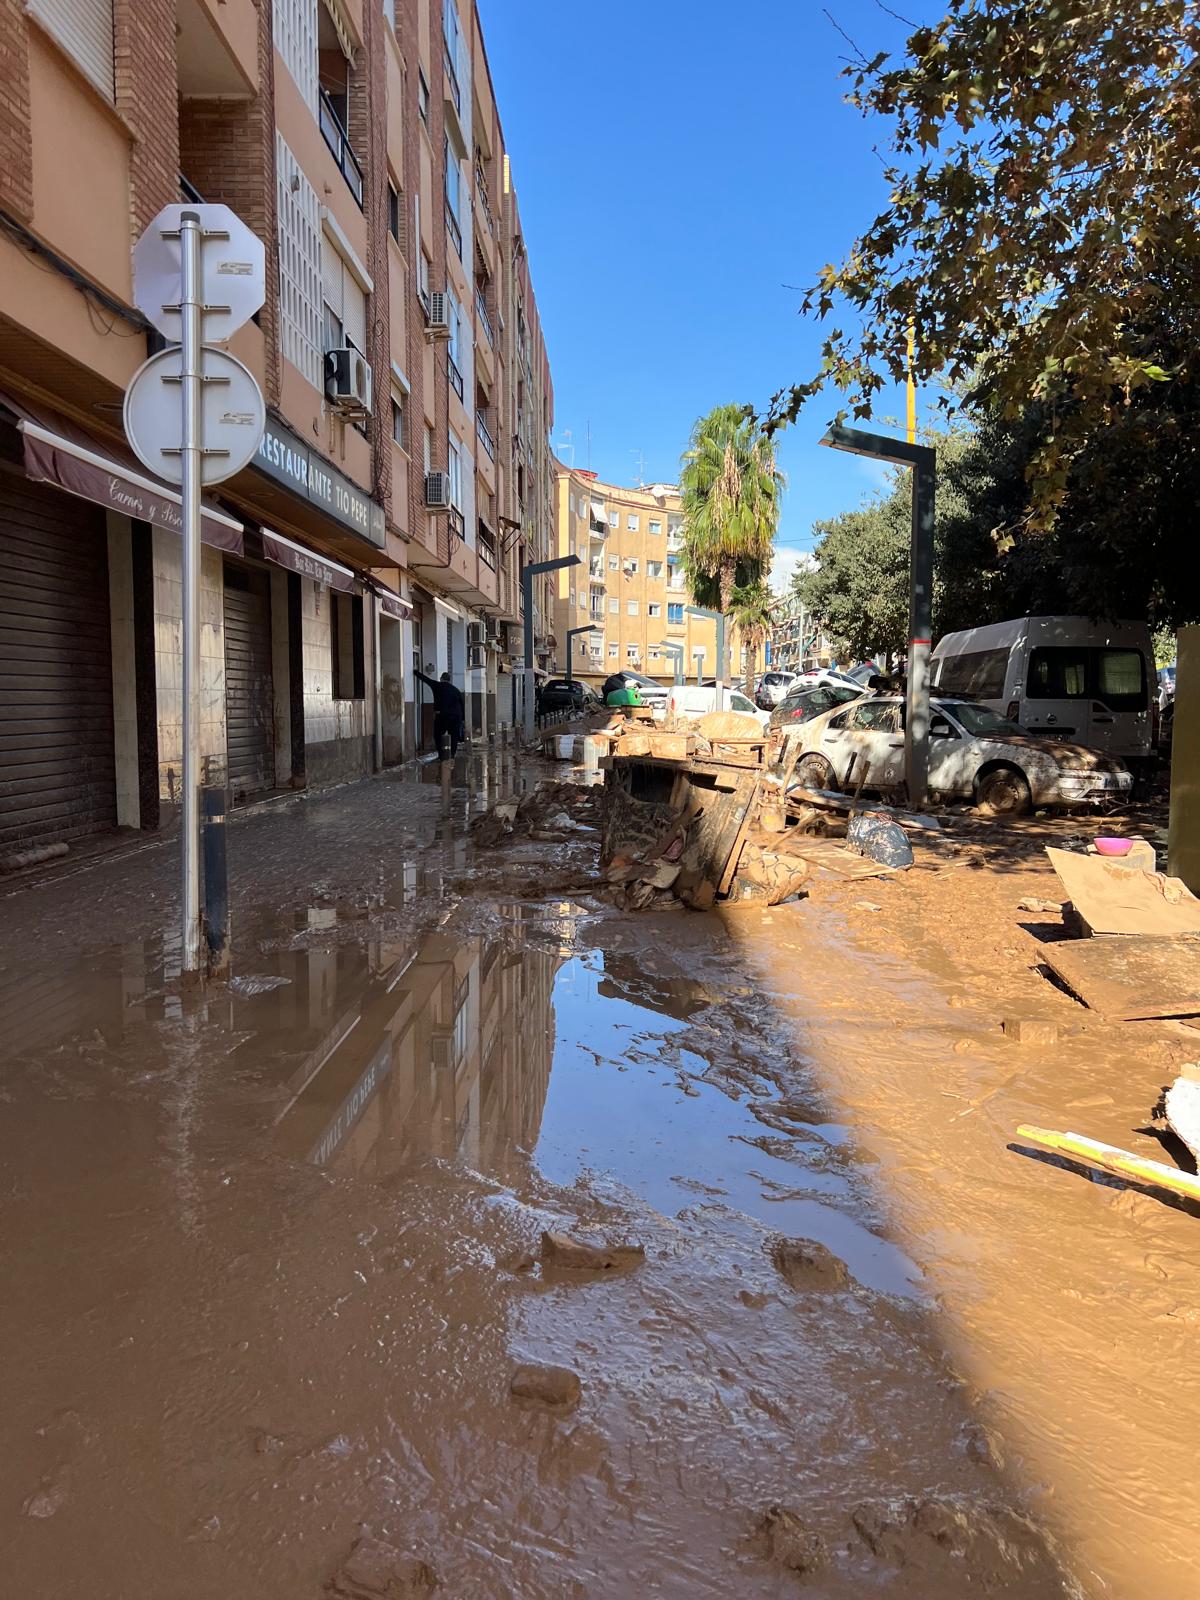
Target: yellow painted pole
x=1112 y=1159
x=912 y=387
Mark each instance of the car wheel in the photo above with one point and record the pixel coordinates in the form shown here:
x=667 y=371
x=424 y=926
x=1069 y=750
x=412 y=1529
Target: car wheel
x=1003 y=792
x=814 y=772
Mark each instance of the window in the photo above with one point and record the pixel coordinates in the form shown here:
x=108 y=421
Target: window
x=632 y=522
x=295 y=28
x=84 y=29
x=655 y=527
x=614 y=650
x=875 y=716
x=631 y=567
x=674 y=525
x=346 y=646
x=422 y=97
x=675 y=613
x=300 y=313
x=1057 y=672
x=399 y=420
x=396 y=214
x=654 y=652
x=454 y=314
x=453 y=183
x=423 y=279
x=632 y=652
x=454 y=470
x=428 y=455
x=582 y=600
x=345 y=300
x=614 y=607
x=614 y=519
x=1121 y=679
x=654 y=609
x=977 y=674
x=654 y=569
x=573 y=510
x=614 y=564
x=631 y=608
x=738 y=702
x=572 y=597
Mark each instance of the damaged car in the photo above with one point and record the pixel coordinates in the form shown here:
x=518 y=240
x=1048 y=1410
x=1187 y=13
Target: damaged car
x=974 y=754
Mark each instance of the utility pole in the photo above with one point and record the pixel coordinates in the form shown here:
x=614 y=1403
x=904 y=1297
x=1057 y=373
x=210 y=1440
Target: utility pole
x=719 y=618
x=528 y=573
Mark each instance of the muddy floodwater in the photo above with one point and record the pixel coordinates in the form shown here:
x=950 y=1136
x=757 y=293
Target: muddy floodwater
x=272 y=1255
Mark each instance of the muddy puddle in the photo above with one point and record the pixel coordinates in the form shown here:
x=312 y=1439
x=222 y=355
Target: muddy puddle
x=273 y=1254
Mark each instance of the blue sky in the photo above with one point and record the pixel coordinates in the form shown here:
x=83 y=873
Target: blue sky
x=684 y=169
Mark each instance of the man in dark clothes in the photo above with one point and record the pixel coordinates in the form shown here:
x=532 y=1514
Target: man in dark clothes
x=449 y=711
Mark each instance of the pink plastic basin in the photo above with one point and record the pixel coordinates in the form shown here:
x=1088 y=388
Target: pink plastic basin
x=1108 y=845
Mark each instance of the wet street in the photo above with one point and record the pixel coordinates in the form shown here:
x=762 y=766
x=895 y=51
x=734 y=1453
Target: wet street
x=273 y=1252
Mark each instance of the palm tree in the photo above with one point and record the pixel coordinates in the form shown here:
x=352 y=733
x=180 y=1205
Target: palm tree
x=750 y=607
x=731 y=493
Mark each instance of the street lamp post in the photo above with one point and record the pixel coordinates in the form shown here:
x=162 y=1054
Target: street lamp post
x=719 y=618
x=572 y=633
x=675 y=652
x=528 y=573
x=923 y=461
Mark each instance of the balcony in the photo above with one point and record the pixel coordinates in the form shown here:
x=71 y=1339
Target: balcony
x=485 y=322
x=454 y=375
x=485 y=438
x=455 y=232
x=486 y=541
x=597 y=572
x=456 y=523
x=338 y=140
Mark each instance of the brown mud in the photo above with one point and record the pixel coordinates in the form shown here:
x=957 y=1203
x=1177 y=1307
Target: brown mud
x=279 y=1313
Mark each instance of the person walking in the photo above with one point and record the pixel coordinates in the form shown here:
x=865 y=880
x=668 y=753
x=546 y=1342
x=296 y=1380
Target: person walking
x=449 y=712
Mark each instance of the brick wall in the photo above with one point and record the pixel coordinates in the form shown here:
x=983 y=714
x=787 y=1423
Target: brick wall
x=16 y=149
x=412 y=359
x=368 y=135
x=147 y=98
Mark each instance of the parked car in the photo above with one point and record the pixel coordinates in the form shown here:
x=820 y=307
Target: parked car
x=653 y=693
x=697 y=700
x=829 y=675
x=1058 y=677
x=974 y=753
x=801 y=704
x=564 y=694
x=772 y=687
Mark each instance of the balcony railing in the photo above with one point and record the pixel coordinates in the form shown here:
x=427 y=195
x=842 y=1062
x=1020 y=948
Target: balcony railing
x=485 y=322
x=455 y=376
x=338 y=141
x=456 y=523
x=485 y=438
x=597 y=573
x=455 y=90
x=487 y=545
x=481 y=194
x=189 y=191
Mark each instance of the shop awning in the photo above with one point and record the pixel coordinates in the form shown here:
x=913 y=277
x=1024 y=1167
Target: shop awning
x=598 y=512
x=393 y=604
x=448 y=610
x=60 y=453
x=300 y=559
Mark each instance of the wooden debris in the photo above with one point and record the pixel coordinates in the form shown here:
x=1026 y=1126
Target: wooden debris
x=1031 y=1030
x=1182 y=1102
x=1111 y=898
x=1130 y=979
x=1112 y=1159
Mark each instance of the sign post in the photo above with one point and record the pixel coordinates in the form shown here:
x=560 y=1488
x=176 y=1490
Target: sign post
x=194 y=415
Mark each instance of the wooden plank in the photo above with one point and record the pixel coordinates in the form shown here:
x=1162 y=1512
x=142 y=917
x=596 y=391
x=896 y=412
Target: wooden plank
x=1129 y=978
x=1113 y=899
x=742 y=804
x=1112 y=1159
x=835 y=858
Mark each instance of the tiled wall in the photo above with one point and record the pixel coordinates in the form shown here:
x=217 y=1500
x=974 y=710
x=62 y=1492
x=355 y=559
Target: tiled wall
x=168 y=662
x=338 y=734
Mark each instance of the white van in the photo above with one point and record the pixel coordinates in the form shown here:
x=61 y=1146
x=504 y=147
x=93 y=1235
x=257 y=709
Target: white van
x=697 y=700
x=1058 y=677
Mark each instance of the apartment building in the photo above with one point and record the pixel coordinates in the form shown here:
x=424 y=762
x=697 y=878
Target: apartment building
x=405 y=471
x=798 y=642
x=629 y=588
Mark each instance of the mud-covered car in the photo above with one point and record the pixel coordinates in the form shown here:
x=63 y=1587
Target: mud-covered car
x=801 y=704
x=974 y=753
x=772 y=687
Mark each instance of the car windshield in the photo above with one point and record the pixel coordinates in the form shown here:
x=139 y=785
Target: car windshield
x=983 y=721
x=811 y=702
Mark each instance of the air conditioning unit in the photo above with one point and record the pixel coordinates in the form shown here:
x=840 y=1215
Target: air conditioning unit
x=348 y=378
x=476 y=656
x=474 y=635
x=437 y=316
x=437 y=491
x=491 y=629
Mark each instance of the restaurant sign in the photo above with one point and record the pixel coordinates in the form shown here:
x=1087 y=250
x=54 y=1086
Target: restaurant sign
x=284 y=456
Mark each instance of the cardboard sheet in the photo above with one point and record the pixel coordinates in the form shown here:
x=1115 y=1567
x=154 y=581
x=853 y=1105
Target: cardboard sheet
x=1115 y=899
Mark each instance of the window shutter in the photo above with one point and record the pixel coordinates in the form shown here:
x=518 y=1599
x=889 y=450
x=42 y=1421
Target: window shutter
x=333 y=273
x=299 y=266
x=84 y=29
x=354 y=311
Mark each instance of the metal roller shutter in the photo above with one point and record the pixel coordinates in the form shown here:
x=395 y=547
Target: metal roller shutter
x=57 y=766
x=249 y=688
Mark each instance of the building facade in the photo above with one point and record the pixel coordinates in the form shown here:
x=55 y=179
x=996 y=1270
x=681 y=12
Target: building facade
x=798 y=642
x=629 y=588
x=405 y=470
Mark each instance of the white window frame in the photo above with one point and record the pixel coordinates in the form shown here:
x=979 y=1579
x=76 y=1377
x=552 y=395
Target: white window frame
x=454 y=471
x=633 y=523
x=614 y=607
x=654 y=608
x=614 y=650
x=655 y=527
x=614 y=519
x=654 y=569
x=631 y=608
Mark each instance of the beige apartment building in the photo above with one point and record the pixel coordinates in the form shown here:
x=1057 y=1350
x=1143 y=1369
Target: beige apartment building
x=629 y=587
x=405 y=471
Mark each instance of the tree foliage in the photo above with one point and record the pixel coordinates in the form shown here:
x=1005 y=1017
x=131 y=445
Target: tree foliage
x=1040 y=237
x=750 y=607
x=731 y=491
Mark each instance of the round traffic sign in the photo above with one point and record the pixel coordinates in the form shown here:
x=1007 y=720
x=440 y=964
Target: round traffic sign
x=232 y=272
x=232 y=408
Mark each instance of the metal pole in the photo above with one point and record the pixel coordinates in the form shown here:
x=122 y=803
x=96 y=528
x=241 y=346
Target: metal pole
x=527 y=593
x=722 y=664
x=920 y=632
x=216 y=882
x=191 y=238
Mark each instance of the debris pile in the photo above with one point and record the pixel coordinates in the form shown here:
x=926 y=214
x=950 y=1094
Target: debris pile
x=550 y=813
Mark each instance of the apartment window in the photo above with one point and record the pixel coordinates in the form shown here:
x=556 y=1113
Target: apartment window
x=422 y=97
x=428 y=452
x=454 y=470
x=84 y=29
x=572 y=597
x=614 y=650
x=300 y=301
x=295 y=29
x=345 y=300
x=654 y=609
x=632 y=523
x=632 y=652
x=655 y=527
x=346 y=646
x=396 y=217
x=423 y=279
x=654 y=569
x=674 y=525
x=573 y=510
x=582 y=601
x=654 y=652
x=614 y=564
x=614 y=607
x=631 y=608
x=674 y=613
x=631 y=567
x=399 y=419
x=614 y=519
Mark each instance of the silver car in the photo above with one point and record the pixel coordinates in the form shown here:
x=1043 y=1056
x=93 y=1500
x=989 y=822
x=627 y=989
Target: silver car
x=772 y=687
x=974 y=754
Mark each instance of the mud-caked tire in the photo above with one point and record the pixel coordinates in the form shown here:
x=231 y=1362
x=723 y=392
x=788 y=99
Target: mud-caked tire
x=1003 y=792
x=814 y=772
